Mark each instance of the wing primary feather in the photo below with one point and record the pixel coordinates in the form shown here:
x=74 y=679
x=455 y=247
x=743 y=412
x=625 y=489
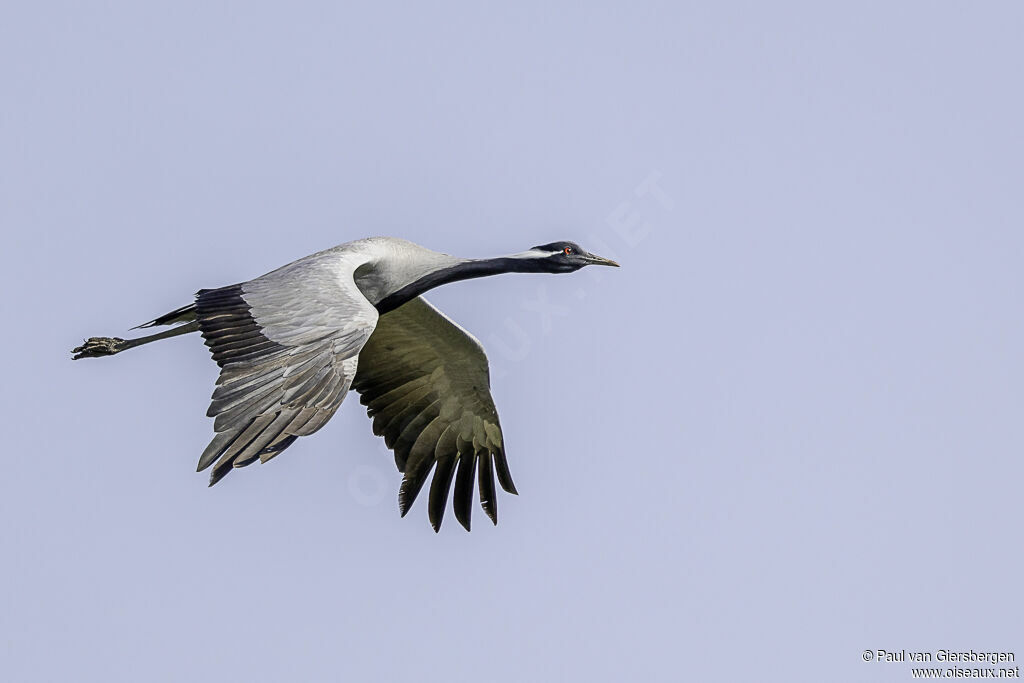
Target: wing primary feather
x=462 y=501
x=397 y=416
x=225 y=401
x=380 y=399
x=412 y=483
x=419 y=466
x=255 y=448
x=220 y=470
x=300 y=420
x=439 y=488
x=434 y=438
x=245 y=437
x=306 y=384
x=223 y=392
x=244 y=460
x=217 y=446
x=410 y=434
x=488 y=499
x=277 y=446
x=318 y=420
x=504 y=476
x=238 y=414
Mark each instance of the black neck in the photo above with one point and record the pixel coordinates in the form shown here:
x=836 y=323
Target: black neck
x=462 y=271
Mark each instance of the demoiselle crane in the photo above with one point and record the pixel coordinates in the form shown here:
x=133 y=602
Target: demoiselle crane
x=291 y=343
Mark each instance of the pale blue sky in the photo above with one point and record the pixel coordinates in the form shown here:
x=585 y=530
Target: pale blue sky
x=787 y=430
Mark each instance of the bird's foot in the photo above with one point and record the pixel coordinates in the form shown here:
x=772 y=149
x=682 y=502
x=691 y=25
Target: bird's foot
x=94 y=347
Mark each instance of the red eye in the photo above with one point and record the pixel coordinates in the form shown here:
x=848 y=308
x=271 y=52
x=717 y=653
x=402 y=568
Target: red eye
x=567 y=250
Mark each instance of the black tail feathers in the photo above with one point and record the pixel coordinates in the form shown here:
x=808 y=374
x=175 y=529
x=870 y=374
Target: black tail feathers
x=180 y=315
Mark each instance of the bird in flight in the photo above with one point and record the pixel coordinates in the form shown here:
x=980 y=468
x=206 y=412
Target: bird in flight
x=291 y=343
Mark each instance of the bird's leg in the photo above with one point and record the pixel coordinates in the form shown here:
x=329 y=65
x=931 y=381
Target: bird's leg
x=94 y=347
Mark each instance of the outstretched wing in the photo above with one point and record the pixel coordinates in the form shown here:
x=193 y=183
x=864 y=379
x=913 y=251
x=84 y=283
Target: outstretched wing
x=288 y=345
x=426 y=385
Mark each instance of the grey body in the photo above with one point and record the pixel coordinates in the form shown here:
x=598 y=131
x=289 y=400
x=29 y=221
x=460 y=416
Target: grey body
x=293 y=342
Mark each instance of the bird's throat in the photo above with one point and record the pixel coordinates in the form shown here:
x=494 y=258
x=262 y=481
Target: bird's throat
x=465 y=270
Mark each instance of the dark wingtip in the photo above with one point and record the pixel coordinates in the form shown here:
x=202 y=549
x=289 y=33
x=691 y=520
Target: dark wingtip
x=463 y=498
x=504 y=475
x=439 y=488
x=412 y=483
x=218 y=474
x=491 y=509
x=488 y=497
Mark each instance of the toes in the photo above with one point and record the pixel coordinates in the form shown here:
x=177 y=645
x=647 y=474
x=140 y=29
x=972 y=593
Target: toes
x=97 y=346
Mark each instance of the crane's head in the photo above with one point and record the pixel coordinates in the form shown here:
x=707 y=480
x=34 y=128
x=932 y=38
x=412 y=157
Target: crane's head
x=565 y=257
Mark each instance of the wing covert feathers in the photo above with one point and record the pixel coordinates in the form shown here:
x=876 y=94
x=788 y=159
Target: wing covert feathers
x=270 y=392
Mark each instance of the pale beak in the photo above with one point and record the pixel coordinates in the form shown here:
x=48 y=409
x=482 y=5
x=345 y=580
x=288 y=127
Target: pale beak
x=595 y=260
